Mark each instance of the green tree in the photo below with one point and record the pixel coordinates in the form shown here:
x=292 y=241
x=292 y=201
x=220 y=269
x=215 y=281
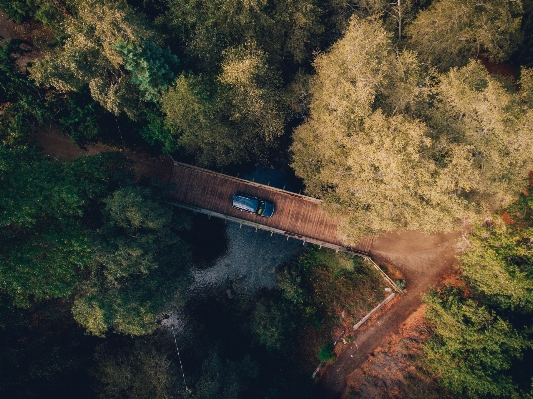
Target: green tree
x=450 y=32
x=231 y=120
x=137 y=372
x=272 y=323
x=151 y=67
x=45 y=245
x=22 y=103
x=89 y=55
x=498 y=260
x=193 y=118
x=224 y=379
x=140 y=266
x=285 y=29
x=473 y=348
x=482 y=328
x=48 y=12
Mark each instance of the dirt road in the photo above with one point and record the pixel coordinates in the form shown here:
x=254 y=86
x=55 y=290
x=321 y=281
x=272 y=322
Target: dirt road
x=423 y=260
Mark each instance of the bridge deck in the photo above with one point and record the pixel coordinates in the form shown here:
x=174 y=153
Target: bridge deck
x=295 y=215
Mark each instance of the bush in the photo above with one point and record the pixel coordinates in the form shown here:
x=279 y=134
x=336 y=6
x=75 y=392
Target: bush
x=326 y=354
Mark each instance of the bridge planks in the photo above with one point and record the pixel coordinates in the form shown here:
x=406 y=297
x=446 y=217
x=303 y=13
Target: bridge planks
x=297 y=215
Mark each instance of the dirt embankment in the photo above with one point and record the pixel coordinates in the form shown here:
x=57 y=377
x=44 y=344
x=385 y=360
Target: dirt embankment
x=423 y=260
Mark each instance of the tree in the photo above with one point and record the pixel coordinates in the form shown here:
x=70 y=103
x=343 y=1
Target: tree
x=365 y=165
x=224 y=379
x=91 y=56
x=272 y=324
x=387 y=148
x=48 y=12
x=45 y=244
x=285 y=29
x=140 y=266
x=193 y=118
x=490 y=123
x=233 y=119
x=151 y=68
x=22 y=103
x=464 y=29
x=252 y=88
x=498 y=262
x=473 y=348
x=137 y=372
x=482 y=326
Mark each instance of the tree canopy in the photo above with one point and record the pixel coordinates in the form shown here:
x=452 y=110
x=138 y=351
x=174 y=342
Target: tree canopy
x=140 y=266
x=92 y=55
x=389 y=149
x=450 y=32
x=482 y=328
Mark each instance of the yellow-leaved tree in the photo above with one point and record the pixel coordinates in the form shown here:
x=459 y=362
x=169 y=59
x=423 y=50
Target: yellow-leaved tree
x=450 y=32
x=389 y=145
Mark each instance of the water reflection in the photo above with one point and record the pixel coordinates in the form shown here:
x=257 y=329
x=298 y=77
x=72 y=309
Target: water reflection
x=250 y=261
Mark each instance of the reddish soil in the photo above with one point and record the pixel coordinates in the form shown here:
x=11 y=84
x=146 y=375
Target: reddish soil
x=392 y=371
x=505 y=70
x=423 y=260
x=395 y=369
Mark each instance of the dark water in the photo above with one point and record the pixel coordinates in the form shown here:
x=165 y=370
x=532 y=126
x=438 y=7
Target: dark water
x=250 y=261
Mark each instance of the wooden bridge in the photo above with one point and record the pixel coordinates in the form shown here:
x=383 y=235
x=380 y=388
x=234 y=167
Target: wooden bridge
x=211 y=193
x=296 y=215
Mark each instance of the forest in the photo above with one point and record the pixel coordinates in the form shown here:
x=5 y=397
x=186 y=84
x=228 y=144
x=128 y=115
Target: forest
x=407 y=115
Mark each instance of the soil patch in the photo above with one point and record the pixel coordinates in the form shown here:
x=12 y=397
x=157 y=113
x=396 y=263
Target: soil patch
x=392 y=371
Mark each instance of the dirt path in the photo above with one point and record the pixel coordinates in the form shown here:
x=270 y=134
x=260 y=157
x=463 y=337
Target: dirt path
x=57 y=145
x=423 y=260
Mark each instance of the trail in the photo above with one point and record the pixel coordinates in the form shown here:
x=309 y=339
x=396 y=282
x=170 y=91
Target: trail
x=423 y=259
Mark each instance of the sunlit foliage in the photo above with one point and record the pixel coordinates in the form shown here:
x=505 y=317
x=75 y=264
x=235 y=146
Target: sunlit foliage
x=450 y=32
x=90 y=55
x=387 y=149
x=482 y=328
